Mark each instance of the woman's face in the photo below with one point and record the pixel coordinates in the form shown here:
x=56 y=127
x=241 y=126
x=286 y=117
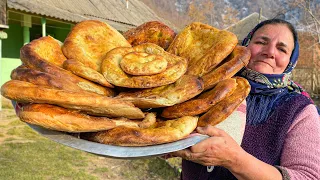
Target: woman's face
x=271 y=47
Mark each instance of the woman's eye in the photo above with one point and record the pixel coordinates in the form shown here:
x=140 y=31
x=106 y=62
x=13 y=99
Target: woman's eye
x=283 y=50
x=260 y=42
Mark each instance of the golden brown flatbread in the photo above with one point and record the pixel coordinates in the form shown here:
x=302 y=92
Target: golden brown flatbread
x=90 y=40
x=224 y=108
x=22 y=73
x=203 y=102
x=68 y=120
x=162 y=132
x=79 y=69
x=204 y=46
x=45 y=55
x=238 y=59
x=151 y=32
x=86 y=102
x=45 y=48
x=183 y=89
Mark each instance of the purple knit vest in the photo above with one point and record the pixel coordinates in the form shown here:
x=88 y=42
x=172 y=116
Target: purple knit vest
x=264 y=141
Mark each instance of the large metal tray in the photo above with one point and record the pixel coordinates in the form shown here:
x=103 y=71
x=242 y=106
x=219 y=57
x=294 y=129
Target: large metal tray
x=117 y=151
x=233 y=125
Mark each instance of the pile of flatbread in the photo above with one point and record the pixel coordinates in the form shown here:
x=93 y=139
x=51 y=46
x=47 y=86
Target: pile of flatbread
x=147 y=86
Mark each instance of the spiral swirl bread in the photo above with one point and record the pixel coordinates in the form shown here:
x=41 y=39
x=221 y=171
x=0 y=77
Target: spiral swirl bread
x=111 y=67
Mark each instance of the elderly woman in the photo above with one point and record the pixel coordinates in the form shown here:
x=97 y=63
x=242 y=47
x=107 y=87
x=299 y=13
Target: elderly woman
x=282 y=133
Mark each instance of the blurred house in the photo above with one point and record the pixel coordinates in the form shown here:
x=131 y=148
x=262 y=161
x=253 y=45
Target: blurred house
x=245 y=25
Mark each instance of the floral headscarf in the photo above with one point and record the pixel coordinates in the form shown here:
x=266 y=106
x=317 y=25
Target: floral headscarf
x=269 y=84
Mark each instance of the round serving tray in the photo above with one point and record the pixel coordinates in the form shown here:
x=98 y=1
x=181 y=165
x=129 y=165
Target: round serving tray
x=117 y=151
x=234 y=125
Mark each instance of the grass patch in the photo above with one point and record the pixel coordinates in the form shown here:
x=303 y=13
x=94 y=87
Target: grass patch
x=25 y=132
x=7 y=106
x=12 y=116
x=156 y=168
x=24 y=154
x=175 y=163
x=16 y=123
x=41 y=160
x=101 y=170
x=10 y=139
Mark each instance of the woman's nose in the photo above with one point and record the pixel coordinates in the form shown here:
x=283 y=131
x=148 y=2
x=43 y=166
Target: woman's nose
x=270 y=50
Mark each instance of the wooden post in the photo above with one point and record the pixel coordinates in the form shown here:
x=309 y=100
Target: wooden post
x=3 y=35
x=260 y=15
x=26 y=35
x=3 y=12
x=26 y=25
x=43 y=23
x=0 y=71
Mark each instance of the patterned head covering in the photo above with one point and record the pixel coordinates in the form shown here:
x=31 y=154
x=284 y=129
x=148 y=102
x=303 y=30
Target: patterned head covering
x=269 y=84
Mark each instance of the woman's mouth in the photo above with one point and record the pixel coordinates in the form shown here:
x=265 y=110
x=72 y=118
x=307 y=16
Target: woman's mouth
x=264 y=62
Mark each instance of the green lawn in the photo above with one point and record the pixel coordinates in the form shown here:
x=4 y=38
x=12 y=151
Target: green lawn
x=24 y=154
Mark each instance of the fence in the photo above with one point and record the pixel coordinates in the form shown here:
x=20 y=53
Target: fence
x=309 y=79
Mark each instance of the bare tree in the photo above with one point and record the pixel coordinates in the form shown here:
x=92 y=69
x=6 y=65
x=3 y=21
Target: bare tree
x=200 y=11
x=310 y=16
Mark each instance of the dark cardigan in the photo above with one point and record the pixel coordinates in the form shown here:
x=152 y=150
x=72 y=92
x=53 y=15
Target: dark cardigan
x=264 y=140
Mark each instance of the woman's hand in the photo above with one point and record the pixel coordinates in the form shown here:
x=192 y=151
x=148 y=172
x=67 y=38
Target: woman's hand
x=219 y=149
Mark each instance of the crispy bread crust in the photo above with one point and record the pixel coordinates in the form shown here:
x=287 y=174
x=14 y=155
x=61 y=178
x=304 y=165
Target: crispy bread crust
x=163 y=132
x=204 y=46
x=65 y=87
x=86 y=102
x=77 y=68
x=112 y=71
x=238 y=59
x=46 y=48
x=203 y=102
x=33 y=76
x=183 y=89
x=62 y=119
x=151 y=32
x=32 y=59
x=90 y=40
x=224 y=108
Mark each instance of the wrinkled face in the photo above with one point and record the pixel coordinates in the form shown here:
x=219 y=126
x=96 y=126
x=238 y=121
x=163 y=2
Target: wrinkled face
x=271 y=47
